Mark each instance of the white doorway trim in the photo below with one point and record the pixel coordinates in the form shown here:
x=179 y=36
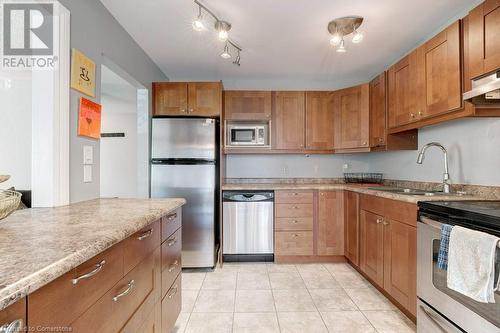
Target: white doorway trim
x=50 y=140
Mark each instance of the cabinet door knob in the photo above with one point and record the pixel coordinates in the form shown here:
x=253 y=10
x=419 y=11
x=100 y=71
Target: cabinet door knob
x=420 y=113
x=412 y=115
x=173 y=265
x=379 y=220
x=365 y=143
x=386 y=223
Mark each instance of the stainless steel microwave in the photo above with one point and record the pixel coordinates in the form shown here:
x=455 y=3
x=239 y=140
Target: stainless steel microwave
x=245 y=134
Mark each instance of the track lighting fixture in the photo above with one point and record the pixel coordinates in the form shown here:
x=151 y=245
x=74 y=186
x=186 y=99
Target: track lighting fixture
x=237 y=60
x=343 y=26
x=198 y=22
x=225 y=54
x=222 y=28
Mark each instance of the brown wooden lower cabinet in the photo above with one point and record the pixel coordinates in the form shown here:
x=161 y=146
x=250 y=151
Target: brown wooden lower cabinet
x=309 y=226
x=351 y=218
x=388 y=247
x=372 y=246
x=119 y=290
x=330 y=223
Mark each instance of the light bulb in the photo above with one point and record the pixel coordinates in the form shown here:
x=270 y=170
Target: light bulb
x=223 y=35
x=341 y=48
x=225 y=54
x=357 y=37
x=336 y=38
x=198 y=24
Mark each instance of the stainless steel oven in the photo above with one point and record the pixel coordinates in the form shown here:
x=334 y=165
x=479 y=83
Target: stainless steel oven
x=244 y=134
x=440 y=309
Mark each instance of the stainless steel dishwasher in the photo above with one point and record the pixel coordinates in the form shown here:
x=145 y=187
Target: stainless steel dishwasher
x=248 y=226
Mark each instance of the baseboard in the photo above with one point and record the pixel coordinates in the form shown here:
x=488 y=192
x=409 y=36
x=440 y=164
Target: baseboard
x=307 y=259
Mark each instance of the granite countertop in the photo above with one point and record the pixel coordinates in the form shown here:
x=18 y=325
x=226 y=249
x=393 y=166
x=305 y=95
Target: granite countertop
x=39 y=245
x=351 y=187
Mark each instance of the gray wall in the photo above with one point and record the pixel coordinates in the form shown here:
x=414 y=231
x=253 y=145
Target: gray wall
x=95 y=32
x=473 y=146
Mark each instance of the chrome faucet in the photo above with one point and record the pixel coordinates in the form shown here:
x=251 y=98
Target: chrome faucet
x=446 y=175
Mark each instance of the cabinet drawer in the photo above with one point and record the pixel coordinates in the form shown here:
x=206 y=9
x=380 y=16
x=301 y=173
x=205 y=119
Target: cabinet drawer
x=118 y=305
x=170 y=223
x=171 y=305
x=294 y=243
x=63 y=300
x=294 y=210
x=372 y=204
x=171 y=263
x=140 y=244
x=14 y=312
x=152 y=324
x=294 y=223
x=293 y=197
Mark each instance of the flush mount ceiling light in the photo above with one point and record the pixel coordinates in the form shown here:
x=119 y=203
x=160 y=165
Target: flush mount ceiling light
x=222 y=28
x=342 y=27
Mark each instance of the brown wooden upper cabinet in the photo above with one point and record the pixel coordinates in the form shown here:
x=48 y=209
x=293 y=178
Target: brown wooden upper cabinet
x=404 y=88
x=187 y=99
x=288 y=120
x=247 y=105
x=442 y=69
x=378 y=111
x=351 y=122
x=319 y=120
x=484 y=38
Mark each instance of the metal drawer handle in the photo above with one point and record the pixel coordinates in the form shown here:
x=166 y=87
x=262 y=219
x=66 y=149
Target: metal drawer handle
x=145 y=235
x=295 y=193
x=98 y=268
x=295 y=221
x=295 y=207
x=130 y=286
x=172 y=241
x=433 y=320
x=172 y=217
x=295 y=235
x=385 y=222
x=12 y=327
x=173 y=266
x=172 y=291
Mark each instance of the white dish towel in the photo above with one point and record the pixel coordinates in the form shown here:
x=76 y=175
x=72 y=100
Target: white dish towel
x=471 y=264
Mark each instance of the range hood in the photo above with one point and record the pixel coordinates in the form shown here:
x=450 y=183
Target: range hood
x=485 y=91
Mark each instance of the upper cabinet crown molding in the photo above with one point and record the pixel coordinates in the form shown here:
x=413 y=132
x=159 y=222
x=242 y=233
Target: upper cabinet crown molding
x=203 y=99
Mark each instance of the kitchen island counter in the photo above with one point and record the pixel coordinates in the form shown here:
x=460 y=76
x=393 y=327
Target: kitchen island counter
x=39 y=245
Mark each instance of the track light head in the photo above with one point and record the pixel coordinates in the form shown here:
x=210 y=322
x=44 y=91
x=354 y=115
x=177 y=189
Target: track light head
x=223 y=28
x=198 y=21
x=225 y=54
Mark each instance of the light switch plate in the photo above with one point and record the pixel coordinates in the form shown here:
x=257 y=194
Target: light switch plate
x=88 y=155
x=87 y=173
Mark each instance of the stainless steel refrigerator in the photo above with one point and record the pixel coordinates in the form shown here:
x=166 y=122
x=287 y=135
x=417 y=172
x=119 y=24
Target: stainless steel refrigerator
x=184 y=156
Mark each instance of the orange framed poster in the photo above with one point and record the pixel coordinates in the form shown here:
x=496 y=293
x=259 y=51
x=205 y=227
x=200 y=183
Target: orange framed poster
x=89 y=119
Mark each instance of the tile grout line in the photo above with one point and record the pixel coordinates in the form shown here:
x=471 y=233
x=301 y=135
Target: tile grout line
x=272 y=295
x=196 y=300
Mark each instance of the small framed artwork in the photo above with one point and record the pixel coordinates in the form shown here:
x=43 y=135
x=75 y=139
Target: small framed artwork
x=89 y=119
x=82 y=73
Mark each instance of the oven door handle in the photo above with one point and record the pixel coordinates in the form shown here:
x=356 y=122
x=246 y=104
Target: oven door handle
x=433 y=320
x=431 y=223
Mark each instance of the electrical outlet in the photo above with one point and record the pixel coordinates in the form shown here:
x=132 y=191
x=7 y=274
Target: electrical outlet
x=346 y=166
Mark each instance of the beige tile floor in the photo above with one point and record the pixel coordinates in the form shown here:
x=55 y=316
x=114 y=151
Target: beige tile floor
x=285 y=298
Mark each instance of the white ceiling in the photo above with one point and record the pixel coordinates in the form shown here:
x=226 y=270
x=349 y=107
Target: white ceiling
x=285 y=42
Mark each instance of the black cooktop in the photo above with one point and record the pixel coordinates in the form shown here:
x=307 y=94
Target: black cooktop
x=481 y=214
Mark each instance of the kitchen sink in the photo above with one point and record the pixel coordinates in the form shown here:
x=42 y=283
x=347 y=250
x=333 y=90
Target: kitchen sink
x=412 y=191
